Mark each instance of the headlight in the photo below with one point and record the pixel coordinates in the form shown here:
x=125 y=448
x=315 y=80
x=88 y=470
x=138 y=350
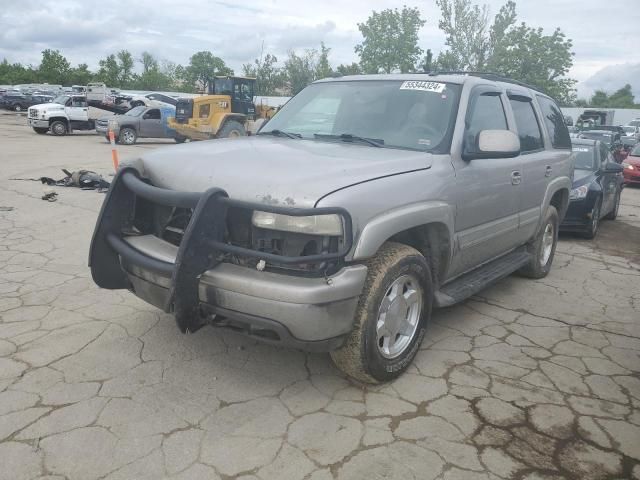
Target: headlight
x=628 y=166
x=312 y=225
x=579 y=192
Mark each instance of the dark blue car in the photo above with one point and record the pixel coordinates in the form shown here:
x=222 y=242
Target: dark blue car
x=597 y=186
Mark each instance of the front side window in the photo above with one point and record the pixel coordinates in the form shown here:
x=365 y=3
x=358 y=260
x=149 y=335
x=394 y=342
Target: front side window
x=415 y=115
x=486 y=112
x=204 y=111
x=527 y=124
x=554 y=121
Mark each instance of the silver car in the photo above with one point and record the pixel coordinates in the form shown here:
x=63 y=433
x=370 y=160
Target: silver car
x=359 y=207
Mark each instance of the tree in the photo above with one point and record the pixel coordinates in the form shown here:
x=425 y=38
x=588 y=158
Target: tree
x=323 y=69
x=269 y=77
x=353 y=69
x=622 y=98
x=54 y=67
x=528 y=55
x=390 y=40
x=12 y=74
x=466 y=29
x=300 y=70
x=109 y=71
x=203 y=66
x=125 y=67
x=427 y=62
x=80 y=75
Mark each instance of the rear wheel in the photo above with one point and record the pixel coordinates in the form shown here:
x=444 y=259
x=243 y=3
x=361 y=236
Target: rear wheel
x=391 y=317
x=40 y=130
x=232 y=129
x=127 y=136
x=613 y=214
x=543 y=247
x=180 y=139
x=594 y=221
x=58 y=128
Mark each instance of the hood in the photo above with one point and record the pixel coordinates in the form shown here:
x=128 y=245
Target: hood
x=275 y=170
x=48 y=106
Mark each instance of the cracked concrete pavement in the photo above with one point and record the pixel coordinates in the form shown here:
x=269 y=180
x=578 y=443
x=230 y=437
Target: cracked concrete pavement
x=531 y=380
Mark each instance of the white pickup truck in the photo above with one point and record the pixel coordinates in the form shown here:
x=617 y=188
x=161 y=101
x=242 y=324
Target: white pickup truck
x=63 y=115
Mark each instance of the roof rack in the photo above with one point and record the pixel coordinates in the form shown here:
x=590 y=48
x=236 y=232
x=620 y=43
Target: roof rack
x=487 y=76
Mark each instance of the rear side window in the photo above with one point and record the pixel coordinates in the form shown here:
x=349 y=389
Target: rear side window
x=554 y=121
x=527 y=123
x=153 y=114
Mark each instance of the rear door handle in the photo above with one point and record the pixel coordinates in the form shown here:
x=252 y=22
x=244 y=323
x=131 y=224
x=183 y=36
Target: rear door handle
x=516 y=178
x=547 y=171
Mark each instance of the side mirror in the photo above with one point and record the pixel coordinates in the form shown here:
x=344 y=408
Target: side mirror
x=613 y=167
x=493 y=144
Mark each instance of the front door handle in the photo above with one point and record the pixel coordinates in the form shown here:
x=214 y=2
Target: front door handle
x=516 y=178
x=547 y=171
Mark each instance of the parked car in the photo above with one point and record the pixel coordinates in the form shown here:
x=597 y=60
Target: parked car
x=596 y=190
x=152 y=99
x=363 y=203
x=631 y=167
x=631 y=131
x=608 y=128
x=17 y=103
x=139 y=122
x=604 y=136
x=63 y=115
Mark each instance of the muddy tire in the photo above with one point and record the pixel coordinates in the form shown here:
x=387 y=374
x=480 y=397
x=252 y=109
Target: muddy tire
x=58 y=128
x=543 y=247
x=180 y=139
x=391 y=317
x=40 y=130
x=127 y=136
x=232 y=129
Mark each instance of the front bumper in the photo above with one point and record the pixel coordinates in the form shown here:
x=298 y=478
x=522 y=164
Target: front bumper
x=102 y=129
x=313 y=314
x=38 y=123
x=578 y=216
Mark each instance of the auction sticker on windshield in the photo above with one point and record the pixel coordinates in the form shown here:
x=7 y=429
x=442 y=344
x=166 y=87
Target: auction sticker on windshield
x=424 y=86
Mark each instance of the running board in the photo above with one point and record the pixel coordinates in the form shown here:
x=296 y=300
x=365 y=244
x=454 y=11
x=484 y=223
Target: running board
x=471 y=283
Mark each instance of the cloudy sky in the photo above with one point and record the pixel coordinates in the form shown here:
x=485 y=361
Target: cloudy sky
x=606 y=34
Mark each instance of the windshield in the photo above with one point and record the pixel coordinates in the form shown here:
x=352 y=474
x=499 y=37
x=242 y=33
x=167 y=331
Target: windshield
x=415 y=115
x=584 y=157
x=136 y=111
x=61 y=99
x=629 y=129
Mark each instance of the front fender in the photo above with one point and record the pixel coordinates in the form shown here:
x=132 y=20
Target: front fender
x=380 y=228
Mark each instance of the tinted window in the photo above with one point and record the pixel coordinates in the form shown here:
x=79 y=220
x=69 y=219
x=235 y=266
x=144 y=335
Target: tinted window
x=153 y=114
x=486 y=113
x=604 y=153
x=527 y=123
x=554 y=120
x=584 y=157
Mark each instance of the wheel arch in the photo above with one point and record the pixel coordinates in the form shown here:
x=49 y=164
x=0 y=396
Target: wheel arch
x=427 y=227
x=59 y=119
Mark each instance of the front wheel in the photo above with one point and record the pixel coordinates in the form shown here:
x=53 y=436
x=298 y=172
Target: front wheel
x=180 y=139
x=232 y=129
x=543 y=247
x=391 y=317
x=17 y=108
x=613 y=214
x=58 y=128
x=594 y=221
x=127 y=136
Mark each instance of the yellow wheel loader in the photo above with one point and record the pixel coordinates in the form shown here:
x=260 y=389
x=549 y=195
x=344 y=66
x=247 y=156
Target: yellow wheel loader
x=228 y=111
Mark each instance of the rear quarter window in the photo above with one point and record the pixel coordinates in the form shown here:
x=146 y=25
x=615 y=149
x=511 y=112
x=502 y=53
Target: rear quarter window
x=554 y=121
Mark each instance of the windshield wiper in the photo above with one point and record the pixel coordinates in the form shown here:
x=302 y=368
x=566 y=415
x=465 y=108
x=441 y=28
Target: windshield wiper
x=279 y=133
x=348 y=137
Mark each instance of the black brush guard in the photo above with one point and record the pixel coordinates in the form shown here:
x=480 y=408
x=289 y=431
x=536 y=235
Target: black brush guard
x=201 y=244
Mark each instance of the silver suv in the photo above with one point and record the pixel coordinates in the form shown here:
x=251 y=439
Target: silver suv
x=364 y=203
